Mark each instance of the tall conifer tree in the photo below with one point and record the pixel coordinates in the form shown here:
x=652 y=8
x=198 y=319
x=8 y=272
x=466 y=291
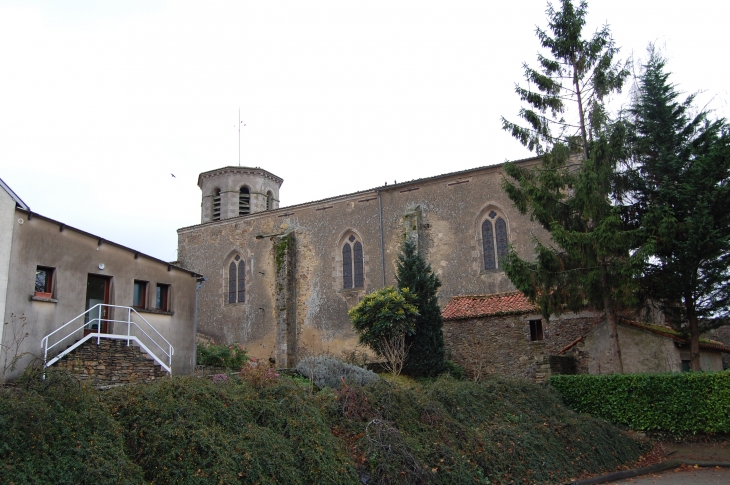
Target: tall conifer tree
x=680 y=186
x=426 y=353
x=571 y=193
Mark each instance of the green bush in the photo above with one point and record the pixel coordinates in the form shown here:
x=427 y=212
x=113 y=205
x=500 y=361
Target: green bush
x=693 y=402
x=55 y=431
x=454 y=432
x=196 y=431
x=426 y=354
x=185 y=430
x=454 y=370
x=230 y=356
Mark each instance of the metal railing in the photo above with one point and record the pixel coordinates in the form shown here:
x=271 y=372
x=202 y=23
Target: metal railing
x=155 y=345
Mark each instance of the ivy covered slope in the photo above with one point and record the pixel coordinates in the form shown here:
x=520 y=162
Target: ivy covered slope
x=198 y=431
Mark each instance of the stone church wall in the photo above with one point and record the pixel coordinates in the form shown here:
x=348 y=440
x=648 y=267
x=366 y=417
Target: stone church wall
x=443 y=213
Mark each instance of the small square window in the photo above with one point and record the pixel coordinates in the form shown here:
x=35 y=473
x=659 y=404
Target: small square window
x=536 y=333
x=43 y=281
x=162 y=297
x=139 y=299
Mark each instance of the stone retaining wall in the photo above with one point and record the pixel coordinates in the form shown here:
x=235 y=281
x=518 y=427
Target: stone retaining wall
x=111 y=362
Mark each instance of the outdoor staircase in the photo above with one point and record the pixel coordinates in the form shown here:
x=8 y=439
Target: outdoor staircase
x=110 y=362
x=131 y=351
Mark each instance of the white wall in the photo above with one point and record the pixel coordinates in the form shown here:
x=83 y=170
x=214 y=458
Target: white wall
x=7 y=223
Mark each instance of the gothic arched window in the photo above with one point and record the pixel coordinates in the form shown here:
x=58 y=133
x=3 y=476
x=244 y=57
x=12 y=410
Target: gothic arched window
x=237 y=280
x=217 y=205
x=495 y=240
x=353 y=267
x=244 y=201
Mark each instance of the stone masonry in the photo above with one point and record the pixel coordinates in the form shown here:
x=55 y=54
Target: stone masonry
x=299 y=304
x=111 y=362
x=501 y=344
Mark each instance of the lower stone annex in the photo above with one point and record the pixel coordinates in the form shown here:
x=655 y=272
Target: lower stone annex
x=281 y=280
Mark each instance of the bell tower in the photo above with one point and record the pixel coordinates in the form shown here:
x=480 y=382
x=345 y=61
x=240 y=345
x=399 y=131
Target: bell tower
x=237 y=191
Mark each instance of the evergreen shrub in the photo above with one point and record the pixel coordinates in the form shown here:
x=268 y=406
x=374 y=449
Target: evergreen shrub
x=496 y=431
x=328 y=371
x=194 y=431
x=231 y=356
x=185 y=430
x=679 y=403
x=426 y=345
x=55 y=431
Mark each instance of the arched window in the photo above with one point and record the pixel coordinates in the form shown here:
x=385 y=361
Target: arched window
x=495 y=241
x=269 y=200
x=353 y=268
x=244 y=201
x=217 y=205
x=237 y=280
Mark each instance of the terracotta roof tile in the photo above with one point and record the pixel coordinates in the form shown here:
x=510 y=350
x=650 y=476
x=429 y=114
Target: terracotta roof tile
x=474 y=306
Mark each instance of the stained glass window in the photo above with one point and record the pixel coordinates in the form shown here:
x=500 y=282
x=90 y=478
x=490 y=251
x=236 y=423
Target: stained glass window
x=232 y=283
x=346 y=267
x=488 y=245
x=500 y=228
x=241 y=281
x=359 y=276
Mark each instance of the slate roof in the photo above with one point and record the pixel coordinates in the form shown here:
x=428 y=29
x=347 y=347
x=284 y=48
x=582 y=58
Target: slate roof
x=475 y=306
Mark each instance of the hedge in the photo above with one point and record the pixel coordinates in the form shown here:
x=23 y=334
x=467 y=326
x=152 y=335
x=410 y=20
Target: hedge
x=693 y=402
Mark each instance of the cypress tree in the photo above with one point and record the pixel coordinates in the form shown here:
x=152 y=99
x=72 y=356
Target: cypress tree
x=572 y=193
x=426 y=353
x=680 y=182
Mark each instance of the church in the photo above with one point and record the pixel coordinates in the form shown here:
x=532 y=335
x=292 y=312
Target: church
x=280 y=280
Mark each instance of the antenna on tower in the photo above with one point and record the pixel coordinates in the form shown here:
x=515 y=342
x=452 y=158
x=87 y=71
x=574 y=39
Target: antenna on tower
x=239 y=136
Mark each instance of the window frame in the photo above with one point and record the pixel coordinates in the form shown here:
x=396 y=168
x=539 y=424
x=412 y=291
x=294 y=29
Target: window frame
x=235 y=284
x=537 y=330
x=493 y=248
x=50 y=273
x=352 y=254
x=165 y=306
x=145 y=288
x=216 y=201
x=244 y=198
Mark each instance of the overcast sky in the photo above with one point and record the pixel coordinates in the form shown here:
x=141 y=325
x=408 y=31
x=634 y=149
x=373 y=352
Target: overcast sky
x=100 y=102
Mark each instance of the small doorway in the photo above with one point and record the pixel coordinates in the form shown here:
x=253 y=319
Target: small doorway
x=97 y=291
